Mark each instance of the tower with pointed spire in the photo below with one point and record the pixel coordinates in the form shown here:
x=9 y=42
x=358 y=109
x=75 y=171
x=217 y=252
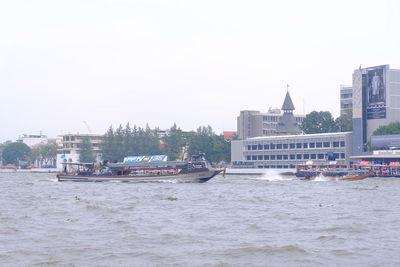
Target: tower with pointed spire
x=253 y=123
x=288 y=124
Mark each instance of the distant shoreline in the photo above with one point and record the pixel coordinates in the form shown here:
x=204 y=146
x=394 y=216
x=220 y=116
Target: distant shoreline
x=34 y=170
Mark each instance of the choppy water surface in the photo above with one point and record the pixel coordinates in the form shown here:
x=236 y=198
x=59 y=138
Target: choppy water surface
x=232 y=221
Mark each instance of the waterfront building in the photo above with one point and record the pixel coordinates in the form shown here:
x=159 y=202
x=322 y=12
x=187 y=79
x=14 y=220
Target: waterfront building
x=70 y=146
x=346 y=100
x=253 y=123
x=376 y=102
x=290 y=150
x=32 y=139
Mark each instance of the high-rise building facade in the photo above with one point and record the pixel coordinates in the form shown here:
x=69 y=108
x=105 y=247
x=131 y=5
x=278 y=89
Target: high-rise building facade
x=376 y=102
x=346 y=100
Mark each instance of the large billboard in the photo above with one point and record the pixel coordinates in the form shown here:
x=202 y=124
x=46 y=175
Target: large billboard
x=376 y=92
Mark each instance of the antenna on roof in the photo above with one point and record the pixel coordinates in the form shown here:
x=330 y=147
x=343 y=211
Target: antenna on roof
x=87 y=126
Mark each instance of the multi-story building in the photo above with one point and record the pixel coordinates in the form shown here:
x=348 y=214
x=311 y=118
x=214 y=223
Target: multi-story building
x=376 y=102
x=32 y=139
x=253 y=123
x=346 y=100
x=70 y=146
x=290 y=150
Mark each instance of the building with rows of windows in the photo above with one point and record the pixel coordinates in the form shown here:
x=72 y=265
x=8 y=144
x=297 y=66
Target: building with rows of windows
x=290 y=150
x=253 y=123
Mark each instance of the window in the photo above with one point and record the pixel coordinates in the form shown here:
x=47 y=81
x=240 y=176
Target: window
x=335 y=144
x=292 y=156
x=266 y=147
x=260 y=147
x=305 y=145
x=278 y=157
x=336 y=155
x=313 y=156
x=279 y=146
x=272 y=157
x=319 y=144
x=248 y=157
x=248 y=147
x=312 y=145
x=285 y=156
x=254 y=147
x=285 y=146
x=298 y=156
x=342 y=143
x=327 y=144
x=320 y=156
x=254 y=157
x=298 y=145
x=260 y=157
x=342 y=155
x=266 y=157
x=306 y=156
x=272 y=146
x=291 y=146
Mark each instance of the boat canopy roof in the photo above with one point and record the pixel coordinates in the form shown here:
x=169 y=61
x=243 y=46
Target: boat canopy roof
x=162 y=164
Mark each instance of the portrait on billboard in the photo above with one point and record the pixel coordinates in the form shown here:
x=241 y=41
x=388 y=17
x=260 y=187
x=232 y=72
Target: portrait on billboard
x=376 y=91
x=376 y=86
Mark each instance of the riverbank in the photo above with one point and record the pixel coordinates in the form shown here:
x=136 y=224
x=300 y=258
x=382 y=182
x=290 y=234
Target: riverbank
x=33 y=170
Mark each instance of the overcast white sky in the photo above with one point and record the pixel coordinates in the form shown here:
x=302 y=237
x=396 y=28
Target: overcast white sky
x=192 y=63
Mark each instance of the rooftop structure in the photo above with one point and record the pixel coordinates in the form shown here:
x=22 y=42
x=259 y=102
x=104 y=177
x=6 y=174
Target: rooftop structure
x=253 y=123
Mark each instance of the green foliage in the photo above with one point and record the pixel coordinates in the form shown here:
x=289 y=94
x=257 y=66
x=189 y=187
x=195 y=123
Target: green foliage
x=86 y=153
x=126 y=141
x=319 y=122
x=392 y=128
x=174 y=142
x=206 y=141
x=44 y=153
x=14 y=152
x=345 y=122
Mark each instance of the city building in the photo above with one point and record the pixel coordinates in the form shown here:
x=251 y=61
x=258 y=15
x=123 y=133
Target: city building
x=376 y=102
x=32 y=139
x=70 y=146
x=290 y=150
x=346 y=100
x=253 y=123
x=229 y=135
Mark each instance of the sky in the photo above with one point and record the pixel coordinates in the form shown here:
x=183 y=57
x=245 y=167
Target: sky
x=82 y=66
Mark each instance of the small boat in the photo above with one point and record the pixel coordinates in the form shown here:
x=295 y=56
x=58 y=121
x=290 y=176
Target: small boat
x=142 y=169
x=348 y=177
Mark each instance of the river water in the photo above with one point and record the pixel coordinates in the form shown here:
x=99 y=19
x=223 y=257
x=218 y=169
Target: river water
x=233 y=221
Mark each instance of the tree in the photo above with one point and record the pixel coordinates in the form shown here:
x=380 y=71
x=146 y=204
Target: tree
x=345 y=122
x=319 y=122
x=174 y=142
x=391 y=128
x=86 y=153
x=44 y=154
x=15 y=152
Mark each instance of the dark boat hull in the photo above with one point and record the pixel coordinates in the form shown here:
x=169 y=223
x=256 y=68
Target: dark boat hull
x=193 y=177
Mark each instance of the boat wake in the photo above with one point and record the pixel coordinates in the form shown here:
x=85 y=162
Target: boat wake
x=273 y=176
